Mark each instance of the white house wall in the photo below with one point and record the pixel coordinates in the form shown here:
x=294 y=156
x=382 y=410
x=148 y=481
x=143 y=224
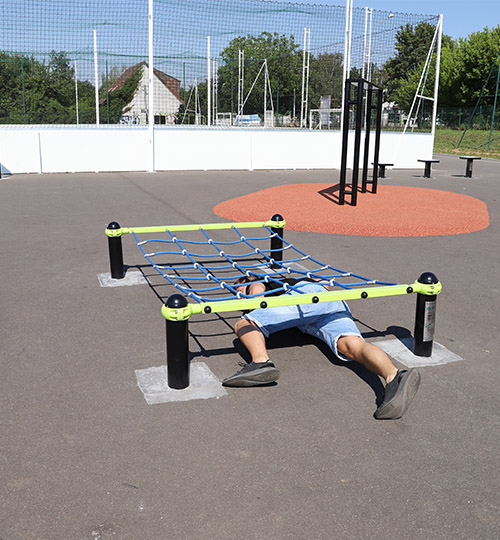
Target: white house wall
x=166 y=103
x=39 y=149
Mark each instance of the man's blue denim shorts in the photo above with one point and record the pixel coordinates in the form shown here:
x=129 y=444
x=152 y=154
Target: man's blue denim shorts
x=327 y=321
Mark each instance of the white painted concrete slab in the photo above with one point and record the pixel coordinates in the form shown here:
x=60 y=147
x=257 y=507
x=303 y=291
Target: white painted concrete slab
x=132 y=277
x=401 y=351
x=203 y=384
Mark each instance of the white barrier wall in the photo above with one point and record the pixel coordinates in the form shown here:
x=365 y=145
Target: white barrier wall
x=43 y=149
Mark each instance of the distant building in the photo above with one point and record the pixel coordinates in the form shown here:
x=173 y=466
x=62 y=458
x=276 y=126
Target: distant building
x=167 y=99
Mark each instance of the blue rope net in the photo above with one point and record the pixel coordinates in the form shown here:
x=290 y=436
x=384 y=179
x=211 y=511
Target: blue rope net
x=207 y=270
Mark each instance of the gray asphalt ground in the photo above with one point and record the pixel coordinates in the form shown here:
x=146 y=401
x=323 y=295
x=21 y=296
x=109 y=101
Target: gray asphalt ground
x=83 y=456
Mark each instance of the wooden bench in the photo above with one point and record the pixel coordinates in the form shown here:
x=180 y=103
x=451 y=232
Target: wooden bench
x=428 y=164
x=468 y=167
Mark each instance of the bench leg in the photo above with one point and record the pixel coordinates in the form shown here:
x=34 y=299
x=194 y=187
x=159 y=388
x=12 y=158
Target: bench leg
x=468 y=169
x=427 y=171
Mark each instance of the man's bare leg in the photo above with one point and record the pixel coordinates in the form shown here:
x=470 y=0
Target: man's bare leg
x=253 y=339
x=368 y=355
x=401 y=386
x=261 y=370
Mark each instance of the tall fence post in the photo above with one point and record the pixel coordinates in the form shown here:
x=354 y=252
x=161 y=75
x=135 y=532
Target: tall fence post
x=425 y=318
x=177 y=345
x=277 y=241
x=115 y=252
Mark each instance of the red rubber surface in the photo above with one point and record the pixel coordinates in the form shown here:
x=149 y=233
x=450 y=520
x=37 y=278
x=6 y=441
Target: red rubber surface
x=392 y=211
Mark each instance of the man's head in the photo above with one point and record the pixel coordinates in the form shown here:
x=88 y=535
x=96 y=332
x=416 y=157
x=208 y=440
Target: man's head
x=242 y=283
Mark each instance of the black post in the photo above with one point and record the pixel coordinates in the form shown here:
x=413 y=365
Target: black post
x=357 y=141
x=177 y=346
x=115 y=253
x=277 y=241
x=468 y=169
x=425 y=318
x=368 y=113
x=376 y=153
x=345 y=139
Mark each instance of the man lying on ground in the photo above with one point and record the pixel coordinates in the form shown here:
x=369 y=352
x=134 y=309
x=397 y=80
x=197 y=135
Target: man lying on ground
x=331 y=322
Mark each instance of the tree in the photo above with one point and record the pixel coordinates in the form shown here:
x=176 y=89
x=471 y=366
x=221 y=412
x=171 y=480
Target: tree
x=412 y=48
x=34 y=92
x=472 y=63
x=325 y=78
x=113 y=104
x=284 y=64
x=464 y=68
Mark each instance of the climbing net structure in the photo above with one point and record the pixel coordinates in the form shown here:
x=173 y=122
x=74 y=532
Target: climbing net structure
x=205 y=262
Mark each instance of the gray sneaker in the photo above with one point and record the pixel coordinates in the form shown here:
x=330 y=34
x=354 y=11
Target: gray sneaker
x=254 y=374
x=398 y=395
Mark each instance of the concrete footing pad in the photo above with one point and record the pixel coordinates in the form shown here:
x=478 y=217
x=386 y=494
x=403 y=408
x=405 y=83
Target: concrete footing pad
x=203 y=385
x=132 y=277
x=401 y=351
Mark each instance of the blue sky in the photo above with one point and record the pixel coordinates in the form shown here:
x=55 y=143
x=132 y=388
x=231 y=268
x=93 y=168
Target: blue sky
x=460 y=18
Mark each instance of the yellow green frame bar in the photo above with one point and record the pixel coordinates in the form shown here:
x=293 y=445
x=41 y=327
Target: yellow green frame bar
x=182 y=314
x=207 y=226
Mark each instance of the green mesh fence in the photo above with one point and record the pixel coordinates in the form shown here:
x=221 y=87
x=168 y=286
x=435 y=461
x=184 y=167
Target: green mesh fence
x=264 y=63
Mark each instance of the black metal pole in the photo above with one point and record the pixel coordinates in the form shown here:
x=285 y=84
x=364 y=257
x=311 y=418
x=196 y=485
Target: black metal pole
x=468 y=169
x=115 y=253
x=345 y=139
x=177 y=346
x=368 y=112
x=425 y=318
x=357 y=141
x=376 y=153
x=277 y=241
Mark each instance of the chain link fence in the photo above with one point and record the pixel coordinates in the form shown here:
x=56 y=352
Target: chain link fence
x=226 y=63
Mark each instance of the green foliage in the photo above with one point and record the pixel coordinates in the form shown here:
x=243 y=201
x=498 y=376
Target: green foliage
x=34 y=92
x=325 y=79
x=284 y=64
x=401 y=74
x=113 y=103
x=464 y=67
x=472 y=63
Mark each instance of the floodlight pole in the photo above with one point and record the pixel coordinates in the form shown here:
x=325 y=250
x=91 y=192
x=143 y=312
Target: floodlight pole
x=305 y=77
x=436 y=79
x=96 y=79
x=209 y=85
x=347 y=60
x=151 y=111
x=76 y=93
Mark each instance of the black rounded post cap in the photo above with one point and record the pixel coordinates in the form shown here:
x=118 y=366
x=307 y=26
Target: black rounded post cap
x=428 y=278
x=176 y=301
x=277 y=217
x=114 y=225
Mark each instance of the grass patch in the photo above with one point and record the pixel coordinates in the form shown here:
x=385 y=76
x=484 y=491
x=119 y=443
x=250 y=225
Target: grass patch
x=475 y=142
